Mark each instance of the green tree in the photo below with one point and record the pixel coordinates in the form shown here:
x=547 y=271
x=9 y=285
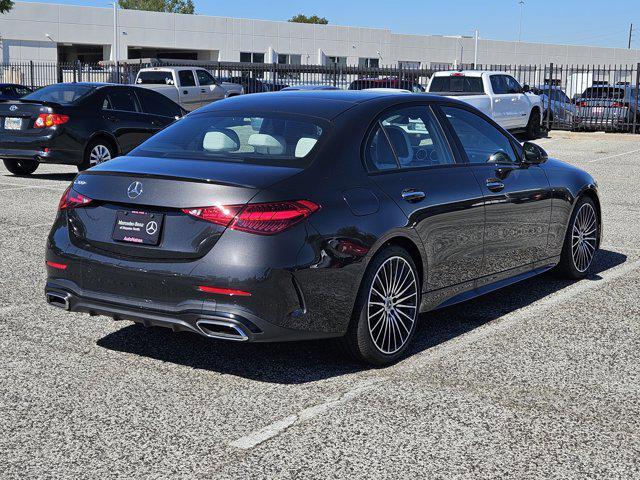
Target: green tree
x=300 y=18
x=5 y=6
x=170 y=6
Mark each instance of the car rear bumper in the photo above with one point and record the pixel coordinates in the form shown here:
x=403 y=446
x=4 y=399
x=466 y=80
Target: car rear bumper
x=63 y=157
x=232 y=324
x=51 y=147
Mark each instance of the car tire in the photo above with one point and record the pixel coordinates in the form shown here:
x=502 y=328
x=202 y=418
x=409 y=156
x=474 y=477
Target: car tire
x=581 y=241
x=21 y=167
x=382 y=328
x=98 y=151
x=534 y=127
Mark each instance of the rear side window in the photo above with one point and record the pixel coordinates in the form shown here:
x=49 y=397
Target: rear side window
x=121 y=99
x=157 y=104
x=186 y=78
x=205 y=78
x=63 y=93
x=22 y=91
x=407 y=138
x=457 y=84
x=482 y=142
x=8 y=91
x=278 y=140
x=155 y=78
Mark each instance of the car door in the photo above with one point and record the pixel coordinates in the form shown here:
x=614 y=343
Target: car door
x=411 y=160
x=124 y=118
x=210 y=90
x=501 y=101
x=517 y=196
x=190 y=95
x=520 y=104
x=160 y=110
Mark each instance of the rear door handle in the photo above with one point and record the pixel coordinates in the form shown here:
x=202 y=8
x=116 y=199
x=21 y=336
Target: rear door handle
x=111 y=118
x=495 y=185
x=412 y=196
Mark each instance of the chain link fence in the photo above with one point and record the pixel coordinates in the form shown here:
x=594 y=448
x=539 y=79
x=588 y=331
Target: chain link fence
x=574 y=97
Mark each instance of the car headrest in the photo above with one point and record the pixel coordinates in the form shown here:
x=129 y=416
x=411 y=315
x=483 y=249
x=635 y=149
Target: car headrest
x=221 y=141
x=304 y=146
x=401 y=143
x=267 y=144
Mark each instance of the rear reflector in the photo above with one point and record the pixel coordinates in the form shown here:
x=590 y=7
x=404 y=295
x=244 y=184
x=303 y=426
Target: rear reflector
x=72 y=199
x=259 y=218
x=224 y=291
x=59 y=266
x=50 y=120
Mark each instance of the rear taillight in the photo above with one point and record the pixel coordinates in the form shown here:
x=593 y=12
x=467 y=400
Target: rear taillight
x=619 y=105
x=72 y=199
x=45 y=120
x=259 y=218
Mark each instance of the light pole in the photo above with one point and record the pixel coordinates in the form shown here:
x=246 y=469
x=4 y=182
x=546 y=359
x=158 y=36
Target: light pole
x=475 y=52
x=521 y=3
x=115 y=33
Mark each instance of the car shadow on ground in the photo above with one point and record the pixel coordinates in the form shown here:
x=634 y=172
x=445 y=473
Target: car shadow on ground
x=62 y=177
x=302 y=362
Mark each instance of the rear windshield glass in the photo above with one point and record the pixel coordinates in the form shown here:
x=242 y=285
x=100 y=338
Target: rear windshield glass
x=604 y=92
x=269 y=140
x=155 y=78
x=457 y=85
x=60 y=93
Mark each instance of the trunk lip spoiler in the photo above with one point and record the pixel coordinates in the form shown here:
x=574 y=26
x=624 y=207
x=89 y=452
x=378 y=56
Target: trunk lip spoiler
x=159 y=176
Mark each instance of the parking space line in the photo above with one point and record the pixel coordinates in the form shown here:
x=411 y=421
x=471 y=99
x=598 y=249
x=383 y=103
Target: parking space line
x=274 y=429
x=612 y=156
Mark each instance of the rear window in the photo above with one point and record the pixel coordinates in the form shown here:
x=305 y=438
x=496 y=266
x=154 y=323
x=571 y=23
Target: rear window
x=269 y=140
x=60 y=93
x=457 y=84
x=155 y=78
x=604 y=92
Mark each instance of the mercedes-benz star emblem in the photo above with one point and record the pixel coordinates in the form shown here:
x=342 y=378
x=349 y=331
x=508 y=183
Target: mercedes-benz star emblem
x=134 y=190
x=13 y=108
x=152 y=227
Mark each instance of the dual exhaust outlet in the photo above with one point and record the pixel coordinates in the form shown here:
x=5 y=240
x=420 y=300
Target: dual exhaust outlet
x=212 y=328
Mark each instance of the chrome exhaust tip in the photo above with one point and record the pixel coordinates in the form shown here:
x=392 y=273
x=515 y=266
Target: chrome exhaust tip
x=60 y=300
x=222 y=330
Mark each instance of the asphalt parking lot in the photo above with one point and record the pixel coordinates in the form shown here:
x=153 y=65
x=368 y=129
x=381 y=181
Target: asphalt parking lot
x=541 y=380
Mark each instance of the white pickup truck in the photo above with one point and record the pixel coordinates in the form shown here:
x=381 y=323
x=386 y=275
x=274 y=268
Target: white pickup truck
x=496 y=94
x=190 y=87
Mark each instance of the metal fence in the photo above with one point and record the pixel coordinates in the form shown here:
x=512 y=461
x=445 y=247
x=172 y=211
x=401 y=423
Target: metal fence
x=574 y=97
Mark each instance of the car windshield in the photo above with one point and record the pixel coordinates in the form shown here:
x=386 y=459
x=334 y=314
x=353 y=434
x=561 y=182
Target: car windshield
x=278 y=140
x=604 y=92
x=457 y=84
x=60 y=93
x=155 y=78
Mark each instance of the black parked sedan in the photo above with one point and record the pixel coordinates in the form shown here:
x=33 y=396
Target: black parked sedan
x=81 y=124
x=317 y=214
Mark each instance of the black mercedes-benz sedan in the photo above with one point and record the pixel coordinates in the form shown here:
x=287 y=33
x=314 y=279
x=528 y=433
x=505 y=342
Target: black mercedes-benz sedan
x=81 y=124
x=307 y=215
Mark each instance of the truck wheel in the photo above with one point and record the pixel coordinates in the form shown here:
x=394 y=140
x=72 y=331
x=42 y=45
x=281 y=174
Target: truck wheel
x=21 y=167
x=534 y=127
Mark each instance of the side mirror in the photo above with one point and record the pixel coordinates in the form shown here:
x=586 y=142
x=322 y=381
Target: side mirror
x=500 y=158
x=534 y=154
x=526 y=88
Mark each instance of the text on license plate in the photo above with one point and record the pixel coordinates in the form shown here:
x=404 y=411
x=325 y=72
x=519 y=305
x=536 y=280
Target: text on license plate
x=12 y=123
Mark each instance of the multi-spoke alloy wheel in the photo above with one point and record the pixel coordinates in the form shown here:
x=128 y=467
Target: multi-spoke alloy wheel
x=584 y=234
x=392 y=305
x=99 y=154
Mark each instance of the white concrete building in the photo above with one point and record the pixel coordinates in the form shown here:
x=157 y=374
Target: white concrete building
x=48 y=32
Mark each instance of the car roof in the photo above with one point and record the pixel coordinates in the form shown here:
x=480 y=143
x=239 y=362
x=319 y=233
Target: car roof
x=325 y=104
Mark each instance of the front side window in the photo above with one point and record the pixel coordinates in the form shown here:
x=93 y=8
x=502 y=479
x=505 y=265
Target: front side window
x=512 y=84
x=205 y=78
x=155 y=103
x=482 y=142
x=499 y=85
x=407 y=138
x=265 y=139
x=186 y=78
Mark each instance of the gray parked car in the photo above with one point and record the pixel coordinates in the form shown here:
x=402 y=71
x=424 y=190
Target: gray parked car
x=608 y=107
x=556 y=105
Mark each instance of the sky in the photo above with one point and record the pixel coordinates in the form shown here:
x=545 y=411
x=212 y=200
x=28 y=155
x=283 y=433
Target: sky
x=577 y=22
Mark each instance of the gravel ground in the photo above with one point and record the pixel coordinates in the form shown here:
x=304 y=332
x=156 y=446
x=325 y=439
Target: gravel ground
x=540 y=380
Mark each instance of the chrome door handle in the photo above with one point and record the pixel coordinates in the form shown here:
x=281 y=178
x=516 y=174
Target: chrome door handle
x=495 y=185
x=412 y=196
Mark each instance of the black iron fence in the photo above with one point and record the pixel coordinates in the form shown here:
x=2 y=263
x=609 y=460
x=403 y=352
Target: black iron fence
x=574 y=97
